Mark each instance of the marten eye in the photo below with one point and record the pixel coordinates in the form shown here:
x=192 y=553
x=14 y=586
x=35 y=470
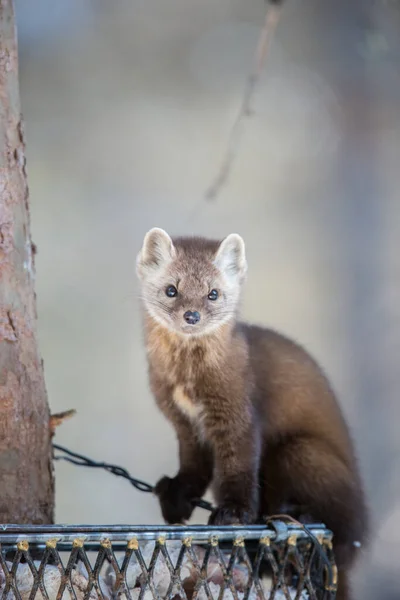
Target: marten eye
x=213 y=295
x=171 y=291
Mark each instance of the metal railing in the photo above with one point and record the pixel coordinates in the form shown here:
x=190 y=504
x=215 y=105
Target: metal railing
x=277 y=561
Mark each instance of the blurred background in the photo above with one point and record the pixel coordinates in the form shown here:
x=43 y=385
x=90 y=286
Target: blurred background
x=128 y=106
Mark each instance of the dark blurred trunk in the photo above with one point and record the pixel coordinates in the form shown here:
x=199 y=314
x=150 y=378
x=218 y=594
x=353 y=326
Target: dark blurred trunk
x=26 y=472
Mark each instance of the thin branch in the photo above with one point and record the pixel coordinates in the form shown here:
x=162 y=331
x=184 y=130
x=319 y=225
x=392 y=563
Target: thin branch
x=58 y=419
x=271 y=21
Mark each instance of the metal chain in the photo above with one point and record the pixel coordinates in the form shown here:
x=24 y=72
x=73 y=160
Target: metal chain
x=142 y=486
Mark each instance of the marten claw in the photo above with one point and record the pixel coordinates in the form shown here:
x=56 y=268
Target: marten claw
x=231 y=515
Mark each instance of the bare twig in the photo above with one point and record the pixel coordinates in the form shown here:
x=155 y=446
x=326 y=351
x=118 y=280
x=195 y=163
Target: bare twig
x=58 y=419
x=271 y=21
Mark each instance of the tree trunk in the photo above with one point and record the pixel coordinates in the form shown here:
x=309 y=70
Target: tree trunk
x=26 y=471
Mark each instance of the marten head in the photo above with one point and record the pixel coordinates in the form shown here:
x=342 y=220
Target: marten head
x=191 y=285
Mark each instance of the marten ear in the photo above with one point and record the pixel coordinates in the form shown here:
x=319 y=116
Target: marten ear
x=157 y=250
x=231 y=256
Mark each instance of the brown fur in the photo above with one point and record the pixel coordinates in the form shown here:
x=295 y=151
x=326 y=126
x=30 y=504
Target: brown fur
x=255 y=416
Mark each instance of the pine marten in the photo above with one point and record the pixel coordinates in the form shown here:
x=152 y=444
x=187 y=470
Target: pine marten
x=254 y=414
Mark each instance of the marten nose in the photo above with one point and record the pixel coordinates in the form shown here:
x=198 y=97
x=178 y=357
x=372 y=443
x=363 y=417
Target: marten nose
x=191 y=317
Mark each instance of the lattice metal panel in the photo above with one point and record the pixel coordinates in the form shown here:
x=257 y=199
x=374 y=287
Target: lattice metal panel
x=178 y=563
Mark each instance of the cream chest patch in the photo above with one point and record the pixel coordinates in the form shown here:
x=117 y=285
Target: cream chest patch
x=186 y=404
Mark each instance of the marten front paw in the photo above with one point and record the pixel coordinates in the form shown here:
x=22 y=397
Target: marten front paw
x=176 y=505
x=229 y=514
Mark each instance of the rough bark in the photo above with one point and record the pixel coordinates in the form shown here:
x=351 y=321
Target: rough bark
x=26 y=472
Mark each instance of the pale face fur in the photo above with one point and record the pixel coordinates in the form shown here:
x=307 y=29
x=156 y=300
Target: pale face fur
x=195 y=267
